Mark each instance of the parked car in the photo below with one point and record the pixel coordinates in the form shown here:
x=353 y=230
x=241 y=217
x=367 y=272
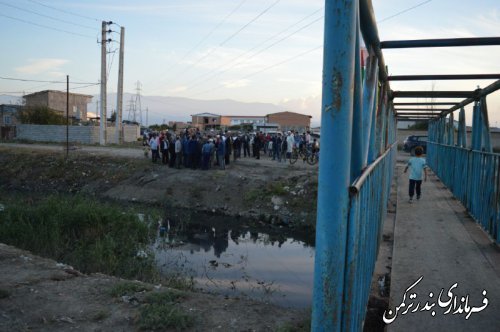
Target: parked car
x=412 y=141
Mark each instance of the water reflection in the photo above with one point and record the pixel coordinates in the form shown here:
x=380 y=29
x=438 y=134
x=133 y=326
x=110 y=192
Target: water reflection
x=240 y=262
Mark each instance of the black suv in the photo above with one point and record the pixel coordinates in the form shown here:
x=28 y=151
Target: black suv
x=411 y=142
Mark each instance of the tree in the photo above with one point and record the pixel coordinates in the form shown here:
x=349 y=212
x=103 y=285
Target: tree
x=420 y=125
x=112 y=118
x=41 y=115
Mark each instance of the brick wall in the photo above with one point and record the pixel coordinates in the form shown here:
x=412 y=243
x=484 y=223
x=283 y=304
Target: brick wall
x=77 y=134
x=290 y=121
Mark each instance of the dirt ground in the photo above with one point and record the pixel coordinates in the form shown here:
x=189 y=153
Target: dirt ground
x=261 y=189
x=42 y=295
x=39 y=294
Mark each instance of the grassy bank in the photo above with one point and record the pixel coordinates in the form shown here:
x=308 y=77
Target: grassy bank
x=82 y=232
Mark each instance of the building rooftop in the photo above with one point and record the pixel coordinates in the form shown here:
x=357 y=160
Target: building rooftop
x=57 y=91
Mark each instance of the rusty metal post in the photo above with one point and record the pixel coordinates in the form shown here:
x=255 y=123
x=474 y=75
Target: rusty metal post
x=334 y=167
x=462 y=129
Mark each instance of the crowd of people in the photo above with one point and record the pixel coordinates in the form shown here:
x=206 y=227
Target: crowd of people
x=196 y=150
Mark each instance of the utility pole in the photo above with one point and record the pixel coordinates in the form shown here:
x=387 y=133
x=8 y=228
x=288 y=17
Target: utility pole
x=102 y=121
x=67 y=116
x=119 y=94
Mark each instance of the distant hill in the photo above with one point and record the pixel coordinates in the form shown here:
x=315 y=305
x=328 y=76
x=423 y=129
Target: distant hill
x=7 y=99
x=164 y=109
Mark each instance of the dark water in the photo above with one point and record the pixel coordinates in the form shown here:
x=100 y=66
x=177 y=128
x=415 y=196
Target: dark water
x=239 y=261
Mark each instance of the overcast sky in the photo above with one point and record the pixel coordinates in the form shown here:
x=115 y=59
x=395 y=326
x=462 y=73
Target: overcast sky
x=252 y=51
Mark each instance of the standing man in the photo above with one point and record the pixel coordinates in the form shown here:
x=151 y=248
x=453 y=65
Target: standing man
x=256 y=145
x=178 y=152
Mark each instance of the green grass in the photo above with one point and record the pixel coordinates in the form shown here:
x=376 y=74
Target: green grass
x=164 y=297
x=101 y=315
x=252 y=195
x=161 y=311
x=276 y=188
x=82 y=232
x=129 y=288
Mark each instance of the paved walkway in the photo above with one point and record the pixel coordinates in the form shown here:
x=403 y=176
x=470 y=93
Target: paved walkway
x=436 y=239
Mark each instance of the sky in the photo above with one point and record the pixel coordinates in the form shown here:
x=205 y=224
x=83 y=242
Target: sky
x=266 y=51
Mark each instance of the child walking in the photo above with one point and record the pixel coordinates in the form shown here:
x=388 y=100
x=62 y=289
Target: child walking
x=417 y=166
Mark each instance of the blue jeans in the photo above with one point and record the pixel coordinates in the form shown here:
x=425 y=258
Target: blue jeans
x=413 y=184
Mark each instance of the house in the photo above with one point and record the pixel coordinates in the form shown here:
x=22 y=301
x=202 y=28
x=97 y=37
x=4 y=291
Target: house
x=205 y=121
x=9 y=114
x=179 y=125
x=57 y=101
x=283 y=121
x=8 y=120
x=290 y=121
x=239 y=120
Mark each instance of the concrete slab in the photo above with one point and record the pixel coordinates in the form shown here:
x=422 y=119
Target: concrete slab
x=436 y=240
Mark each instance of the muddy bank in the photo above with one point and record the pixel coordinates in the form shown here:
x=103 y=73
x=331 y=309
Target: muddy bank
x=270 y=192
x=38 y=294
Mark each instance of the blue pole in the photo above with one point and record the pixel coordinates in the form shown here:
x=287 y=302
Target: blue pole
x=334 y=166
x=451 y=130
x=358 y=143
x=476 y=127
x=369 y=96
x=462 y=129
x=486 y=126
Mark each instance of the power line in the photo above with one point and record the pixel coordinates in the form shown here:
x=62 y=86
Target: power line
x=42 y=81
x=250 y=22
x=215 y=28
x=258 y=52
x=294 y=57
x=48 y=27
x=208 y=35
x=404 y=11
x=232 y=36
x=65 y=11
x=85 y=86
x=265 y=69
x=47 y=16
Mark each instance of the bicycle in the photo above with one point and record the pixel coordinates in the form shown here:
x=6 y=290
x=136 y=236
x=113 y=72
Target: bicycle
x=305 y=153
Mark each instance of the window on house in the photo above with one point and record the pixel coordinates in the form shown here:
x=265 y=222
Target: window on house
x=205 y=120
x=6 y=119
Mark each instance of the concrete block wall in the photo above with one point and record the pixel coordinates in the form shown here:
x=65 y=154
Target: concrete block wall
x=77 y=134
x=130 y=134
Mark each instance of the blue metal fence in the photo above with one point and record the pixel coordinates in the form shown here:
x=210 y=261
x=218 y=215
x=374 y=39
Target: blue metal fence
x=471 y=174
x=355 y=172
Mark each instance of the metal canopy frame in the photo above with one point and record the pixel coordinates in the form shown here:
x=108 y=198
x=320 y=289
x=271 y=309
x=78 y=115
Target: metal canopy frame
x=355 y=177
x=470 y=96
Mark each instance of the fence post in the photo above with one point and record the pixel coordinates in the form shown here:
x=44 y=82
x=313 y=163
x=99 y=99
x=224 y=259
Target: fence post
x=334 y=174
x=476 y=127
x=462 y=129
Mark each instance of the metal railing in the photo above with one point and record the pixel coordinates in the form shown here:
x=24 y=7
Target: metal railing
x=358 y=131
x=474 y=178
x=368 y=208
